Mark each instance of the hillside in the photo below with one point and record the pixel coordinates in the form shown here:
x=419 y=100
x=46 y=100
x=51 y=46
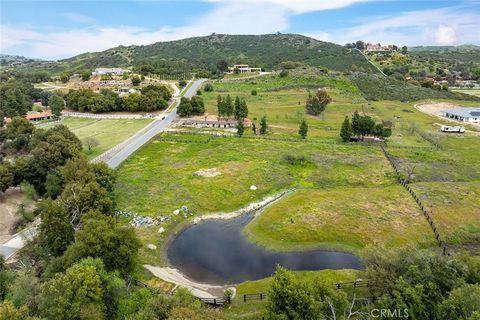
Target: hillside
x=266 y=51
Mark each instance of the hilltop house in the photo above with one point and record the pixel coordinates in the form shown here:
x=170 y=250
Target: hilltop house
x=111 y=71
x=471 y=115
x=242 y=68
x=378 y=48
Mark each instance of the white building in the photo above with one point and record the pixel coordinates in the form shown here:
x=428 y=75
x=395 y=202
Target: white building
x=242 y=68
x=471 y=115
x=103 y=71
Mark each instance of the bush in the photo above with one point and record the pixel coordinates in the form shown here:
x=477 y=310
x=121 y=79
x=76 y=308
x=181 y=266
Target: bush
x=283 y=73
x=254 y=92
x=208 y=87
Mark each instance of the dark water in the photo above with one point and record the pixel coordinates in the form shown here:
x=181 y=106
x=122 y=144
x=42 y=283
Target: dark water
x=217 y=252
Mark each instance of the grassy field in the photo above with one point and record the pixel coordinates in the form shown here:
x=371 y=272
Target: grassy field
x=473 y=92
x=109 y=133
x=342 y=218
x=347 y=195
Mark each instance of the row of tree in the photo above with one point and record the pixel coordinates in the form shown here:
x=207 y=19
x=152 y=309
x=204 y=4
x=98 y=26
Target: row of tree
x=226 y=108
x=151 y=98
x=361 y=126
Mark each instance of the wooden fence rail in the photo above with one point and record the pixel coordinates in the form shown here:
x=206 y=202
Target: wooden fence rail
x=422 y=207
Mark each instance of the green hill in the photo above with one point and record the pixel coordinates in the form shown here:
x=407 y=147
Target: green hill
x=266 y=51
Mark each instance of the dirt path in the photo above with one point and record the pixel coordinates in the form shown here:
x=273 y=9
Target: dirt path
x=199 y=290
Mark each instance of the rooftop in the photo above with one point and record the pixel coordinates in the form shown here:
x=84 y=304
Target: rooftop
x=464 y=112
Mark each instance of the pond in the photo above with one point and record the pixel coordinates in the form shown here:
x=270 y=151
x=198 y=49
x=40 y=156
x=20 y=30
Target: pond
x=217 y=252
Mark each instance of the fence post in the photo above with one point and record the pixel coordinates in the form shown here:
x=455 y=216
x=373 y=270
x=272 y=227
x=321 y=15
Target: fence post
x=261 y=296
x=244 y=298
x=215 y=303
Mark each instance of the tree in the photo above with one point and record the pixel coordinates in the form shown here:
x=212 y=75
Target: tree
x=462 y=303
x=208 y=87
x=288 y=297
x=316 y=104
x=198 y=106
x=182 y=83
x=228 y=105
x=90 y=143
x=241 y=109
x=8 y=311
x=367 y=125
x=5 y=278
x=346 y=131
x=360 y=45
x=67 y=294
x=104 y=176
x=222 y=65
x=86 y=75
x=240 y=128
x=323 y=97
x=25 y=291
x=57 y=104
x=14 y=99
x=56 y=232
x=404 y=50
x=220 y=111
x=101 y=237
x=6 y=177
x=136 y=80
x=80 y=198
x=303 y=129
x=283 y=73
x=185 y=108
x=263 y=125
x=65 y=77
x=356 y=128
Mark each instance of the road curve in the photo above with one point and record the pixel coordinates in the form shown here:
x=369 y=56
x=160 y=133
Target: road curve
x=155 y=128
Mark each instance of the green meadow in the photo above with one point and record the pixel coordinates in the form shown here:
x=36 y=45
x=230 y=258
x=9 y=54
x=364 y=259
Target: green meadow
x=107 y=132
x=346 y=197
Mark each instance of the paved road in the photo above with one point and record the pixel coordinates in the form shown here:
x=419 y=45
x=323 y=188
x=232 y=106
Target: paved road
x=119 y=154
x=153 y=129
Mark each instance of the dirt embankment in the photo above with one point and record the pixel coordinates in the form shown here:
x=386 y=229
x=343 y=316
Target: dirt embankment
x=9 y=202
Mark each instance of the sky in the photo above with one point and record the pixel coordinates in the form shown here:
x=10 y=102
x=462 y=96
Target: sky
x=64 y=28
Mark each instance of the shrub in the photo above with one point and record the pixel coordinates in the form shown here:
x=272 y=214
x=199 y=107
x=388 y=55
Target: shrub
x=254 y=92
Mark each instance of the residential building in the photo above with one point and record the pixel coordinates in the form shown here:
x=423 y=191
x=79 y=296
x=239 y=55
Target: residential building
x=471 y=115
x=242 y=68
x=112 y=71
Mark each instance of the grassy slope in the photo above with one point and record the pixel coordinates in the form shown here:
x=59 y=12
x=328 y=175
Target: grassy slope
x=109 y=133
x=339 y=183
x=266 y=51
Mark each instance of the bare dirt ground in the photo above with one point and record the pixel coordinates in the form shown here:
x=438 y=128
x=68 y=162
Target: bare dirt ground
x=208 y=173
x=435 y=108
x=200 y=290
x=9 y=202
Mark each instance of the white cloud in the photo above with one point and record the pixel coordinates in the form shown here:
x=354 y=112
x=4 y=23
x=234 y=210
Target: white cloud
x=77 y=17
x=446 y=35
x=428 y=27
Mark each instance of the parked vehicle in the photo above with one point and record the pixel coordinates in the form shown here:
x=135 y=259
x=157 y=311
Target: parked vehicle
x=454 y=129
